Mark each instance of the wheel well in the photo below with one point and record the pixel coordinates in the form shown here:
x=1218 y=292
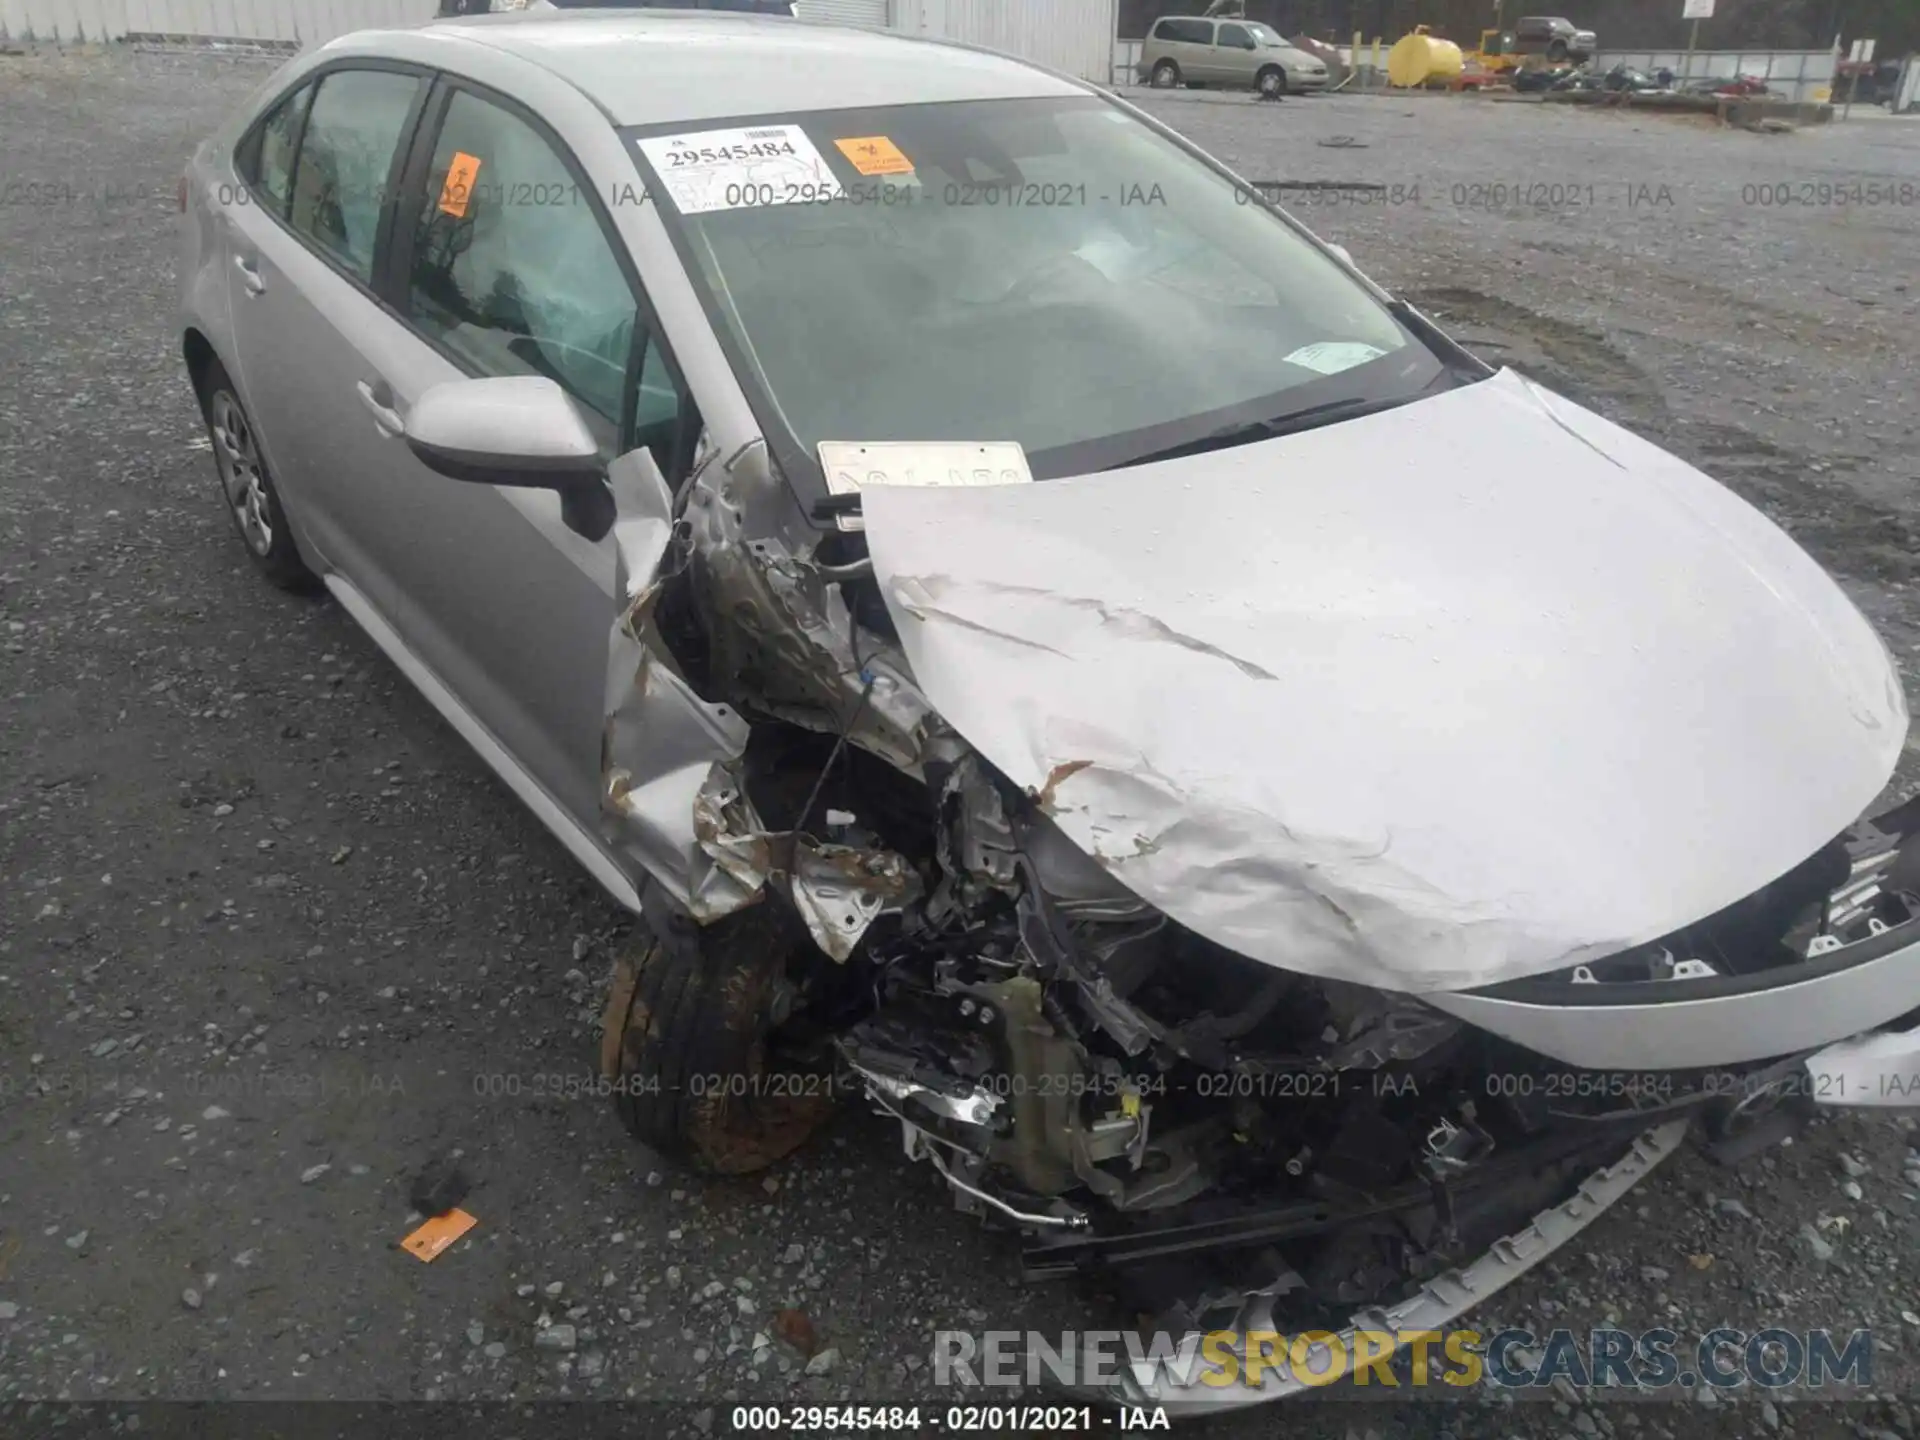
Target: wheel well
x=197 y=350
x=1166 y=63
x=1266 y=70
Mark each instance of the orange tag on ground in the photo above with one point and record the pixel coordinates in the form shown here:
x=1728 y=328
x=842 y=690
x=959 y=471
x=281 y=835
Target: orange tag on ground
x=458 y=191
x=437 y=1234
x=875 y=155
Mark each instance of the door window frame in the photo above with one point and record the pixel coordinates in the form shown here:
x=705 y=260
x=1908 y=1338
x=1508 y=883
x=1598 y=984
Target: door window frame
x=247 y=149
x=393 y=255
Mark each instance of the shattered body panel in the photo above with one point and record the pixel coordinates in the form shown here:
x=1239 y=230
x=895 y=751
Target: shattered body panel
x=1353 y=706
x=674 y=795
x=1124 y=815
x=1240 y=773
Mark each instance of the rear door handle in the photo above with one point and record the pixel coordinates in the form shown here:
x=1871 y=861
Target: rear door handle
x=377 y=396
x=250 y=274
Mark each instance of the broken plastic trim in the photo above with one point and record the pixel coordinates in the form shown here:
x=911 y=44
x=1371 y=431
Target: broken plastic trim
x=837 y=890
x=1439 y=1302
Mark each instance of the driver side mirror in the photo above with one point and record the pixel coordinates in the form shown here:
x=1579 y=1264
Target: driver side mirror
x=519 y=430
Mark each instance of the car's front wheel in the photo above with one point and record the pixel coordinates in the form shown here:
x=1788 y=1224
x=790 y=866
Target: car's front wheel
x=1272 y=82
x=248 y=487
x=1166 y=75
x=685 y=1046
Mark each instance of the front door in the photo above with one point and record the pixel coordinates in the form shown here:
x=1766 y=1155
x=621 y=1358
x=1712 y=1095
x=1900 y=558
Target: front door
x=495 y=261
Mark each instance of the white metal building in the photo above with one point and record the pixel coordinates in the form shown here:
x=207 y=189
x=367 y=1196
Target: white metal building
x=1071 y=35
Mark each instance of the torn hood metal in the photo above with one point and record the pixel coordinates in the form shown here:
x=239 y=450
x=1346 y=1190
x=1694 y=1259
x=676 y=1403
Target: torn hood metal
x=1472 y=689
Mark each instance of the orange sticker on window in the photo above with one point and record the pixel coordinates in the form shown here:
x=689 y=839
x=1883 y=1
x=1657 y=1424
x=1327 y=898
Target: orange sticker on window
x=442 y=1230
x=458 y=191
x=875 y=155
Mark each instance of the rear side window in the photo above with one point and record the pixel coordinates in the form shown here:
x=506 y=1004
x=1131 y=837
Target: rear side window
x=340 y=179
x=512 y=273
x=267 y=162
x=1187 y=32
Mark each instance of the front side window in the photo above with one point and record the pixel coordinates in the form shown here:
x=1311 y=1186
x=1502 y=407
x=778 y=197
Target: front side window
x=1267 y=39
x=1050 y=271
x=1235 y=37
x=512 y=273
x=269 y=164
x=340 y=177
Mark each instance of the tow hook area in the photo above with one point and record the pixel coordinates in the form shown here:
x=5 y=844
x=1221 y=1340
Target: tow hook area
x=1771 y=1110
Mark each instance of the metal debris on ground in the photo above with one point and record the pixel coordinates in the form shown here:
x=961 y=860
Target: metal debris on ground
x=439 y=1187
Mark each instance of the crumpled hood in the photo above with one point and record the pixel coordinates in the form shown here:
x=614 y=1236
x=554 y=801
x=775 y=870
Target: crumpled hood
x=1472 y=689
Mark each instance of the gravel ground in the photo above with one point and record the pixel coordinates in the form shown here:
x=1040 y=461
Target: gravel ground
x=271 y=938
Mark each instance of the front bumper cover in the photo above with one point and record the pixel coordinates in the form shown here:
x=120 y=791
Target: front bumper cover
x=1877 y=1071
x=1202 y=1390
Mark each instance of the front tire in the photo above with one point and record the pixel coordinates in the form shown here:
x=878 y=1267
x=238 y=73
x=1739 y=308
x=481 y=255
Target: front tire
x=684 y=1044
x=253 y=503
x=1272 y=82
x=1166 y=75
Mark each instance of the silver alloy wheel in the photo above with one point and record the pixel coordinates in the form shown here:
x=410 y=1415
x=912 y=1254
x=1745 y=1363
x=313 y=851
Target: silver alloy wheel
x=1165 y=75
x=240 y=475
x=1272 y=82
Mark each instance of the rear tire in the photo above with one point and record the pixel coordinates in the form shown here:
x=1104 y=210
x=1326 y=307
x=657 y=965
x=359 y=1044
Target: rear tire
x=253 y=504
x=684 y=1043
x=1166 y=75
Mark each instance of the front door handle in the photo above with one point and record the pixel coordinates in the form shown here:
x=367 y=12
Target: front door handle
x=377 y=396
x=250 y=277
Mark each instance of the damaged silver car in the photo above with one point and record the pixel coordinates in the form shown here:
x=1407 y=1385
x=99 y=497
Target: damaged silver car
x=1040 y=640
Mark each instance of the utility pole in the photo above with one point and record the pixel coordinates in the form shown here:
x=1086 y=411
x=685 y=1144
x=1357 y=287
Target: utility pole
x=1696 y=11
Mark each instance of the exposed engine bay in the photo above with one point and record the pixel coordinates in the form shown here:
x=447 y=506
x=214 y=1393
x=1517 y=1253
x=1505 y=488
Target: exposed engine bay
x=1139 y=1101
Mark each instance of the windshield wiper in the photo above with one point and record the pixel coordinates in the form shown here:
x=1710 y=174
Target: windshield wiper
x=1308 y=417
x=1457 y=368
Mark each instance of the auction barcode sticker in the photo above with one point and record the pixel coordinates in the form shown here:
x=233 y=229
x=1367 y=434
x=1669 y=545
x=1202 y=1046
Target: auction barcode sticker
x=741 y=168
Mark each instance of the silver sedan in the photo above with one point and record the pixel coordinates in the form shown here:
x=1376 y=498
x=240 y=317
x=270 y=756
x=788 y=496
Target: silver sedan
x=1047 y=647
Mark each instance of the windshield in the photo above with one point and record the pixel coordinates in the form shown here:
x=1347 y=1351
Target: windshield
x=1051 y=272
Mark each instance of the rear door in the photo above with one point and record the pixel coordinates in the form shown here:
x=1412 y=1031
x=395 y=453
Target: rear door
x=301 y=249
x=1196 y=53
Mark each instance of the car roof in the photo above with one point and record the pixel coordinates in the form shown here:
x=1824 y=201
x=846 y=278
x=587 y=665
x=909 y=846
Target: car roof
x=646 y=67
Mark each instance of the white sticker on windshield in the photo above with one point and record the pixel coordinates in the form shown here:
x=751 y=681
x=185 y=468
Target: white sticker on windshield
x=741 y=168
x=1330 y=357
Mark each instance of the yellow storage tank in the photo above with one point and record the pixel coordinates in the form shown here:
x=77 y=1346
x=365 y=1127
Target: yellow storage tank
x=1419 y=58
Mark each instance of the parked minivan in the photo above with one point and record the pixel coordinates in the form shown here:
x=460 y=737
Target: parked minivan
x=1193 y=50
x=1553 y=36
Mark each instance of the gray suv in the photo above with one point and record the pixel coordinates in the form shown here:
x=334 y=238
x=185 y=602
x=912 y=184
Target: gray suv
x=1192 y=50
